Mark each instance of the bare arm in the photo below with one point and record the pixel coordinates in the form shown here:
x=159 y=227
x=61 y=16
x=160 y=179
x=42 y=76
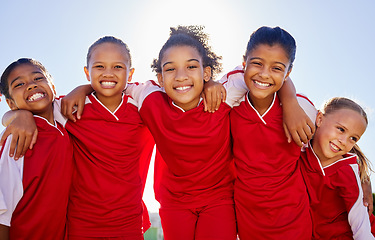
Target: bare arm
x=4 y=232
x=213 y=95
x=75 y=100
x=297 y=125
x=367 y=195
x=21 y=125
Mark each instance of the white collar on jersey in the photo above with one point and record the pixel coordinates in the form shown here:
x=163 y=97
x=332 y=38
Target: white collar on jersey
x=174 y=104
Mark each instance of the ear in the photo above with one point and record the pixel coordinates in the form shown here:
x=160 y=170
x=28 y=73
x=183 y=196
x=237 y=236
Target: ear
x=207 y=74
x=287 y=74
x=87 y=73
x=319 y=119
x=131 y=72
x=12 y=105
x=160 y=79
x=53 y=90
x=244 y=64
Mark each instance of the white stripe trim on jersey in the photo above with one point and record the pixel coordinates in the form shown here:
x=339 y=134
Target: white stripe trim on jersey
x=11 y=188
x=54 y=126
x=342 y=159
x=113 y=113
x=317 y=159
x=264 y=114
x=174 y=104
x=358 y=217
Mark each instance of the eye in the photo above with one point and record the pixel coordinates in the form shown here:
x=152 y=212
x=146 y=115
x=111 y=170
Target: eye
x=119 y=66
x=169 y=69
x=278 y=69
x=98 y=66
x=354 y=139
x=192 y=67
x=39 y=78
x=256 y=63
x=17 y=85
x=341 y=129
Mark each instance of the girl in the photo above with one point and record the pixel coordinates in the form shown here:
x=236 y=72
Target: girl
x=34 y=191
x=270 y=196
x=194 y=169
x=332 y=172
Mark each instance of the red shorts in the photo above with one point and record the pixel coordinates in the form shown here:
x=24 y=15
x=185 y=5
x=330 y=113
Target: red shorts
x=213 y=222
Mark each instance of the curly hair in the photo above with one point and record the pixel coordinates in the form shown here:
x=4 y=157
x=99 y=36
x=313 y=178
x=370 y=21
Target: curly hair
x=192 y=36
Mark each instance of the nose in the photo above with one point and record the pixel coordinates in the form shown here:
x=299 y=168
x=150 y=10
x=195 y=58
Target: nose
x=108 y=73
x=264 y=73
x=343 y=140
x=31 y=86
x=181 y=75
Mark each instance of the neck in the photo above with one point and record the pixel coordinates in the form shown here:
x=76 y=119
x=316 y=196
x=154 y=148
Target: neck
x=261 y=104
x=48 y=115
x=324 y=161
x=111 y=103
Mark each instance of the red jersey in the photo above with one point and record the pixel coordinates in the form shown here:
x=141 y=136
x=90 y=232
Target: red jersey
x=109 y=148
x=270 y=196
x=194 y=167
x=47 y=173
x=336 y=198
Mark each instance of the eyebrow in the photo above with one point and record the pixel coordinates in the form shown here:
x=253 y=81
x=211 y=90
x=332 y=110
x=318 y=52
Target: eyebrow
x=346 y=129
x=261 y=59
x=190 y=60
x=35 y=72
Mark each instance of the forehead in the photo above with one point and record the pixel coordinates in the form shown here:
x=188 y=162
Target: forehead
x=350 y=119
x=181 y=53
x=24 y=70
x=110 y=50
x=276 y=52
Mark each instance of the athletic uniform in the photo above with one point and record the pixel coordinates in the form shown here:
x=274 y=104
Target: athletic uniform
x=336 y=198
x=109 y=148
x=45 y=173
x=270 y=196
x=193 y=167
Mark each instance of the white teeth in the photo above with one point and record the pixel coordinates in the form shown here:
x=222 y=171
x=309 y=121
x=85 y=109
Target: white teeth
x=35 y=96
x=183 y=88
x=262 y=84
x=335 y=147
x=108 y=84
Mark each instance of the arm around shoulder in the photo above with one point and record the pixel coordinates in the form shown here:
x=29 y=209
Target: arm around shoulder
x=297 y=124
x=4 y=232
x=21 y=124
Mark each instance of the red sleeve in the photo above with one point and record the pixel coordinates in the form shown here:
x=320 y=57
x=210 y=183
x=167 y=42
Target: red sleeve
x=346 y=183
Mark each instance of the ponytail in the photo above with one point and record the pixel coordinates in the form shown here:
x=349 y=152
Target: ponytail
x=363 y=162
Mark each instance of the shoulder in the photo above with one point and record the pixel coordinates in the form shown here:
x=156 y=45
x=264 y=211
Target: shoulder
x=308 y=106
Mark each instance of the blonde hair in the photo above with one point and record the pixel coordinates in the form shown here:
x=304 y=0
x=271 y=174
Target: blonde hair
x=339 y=103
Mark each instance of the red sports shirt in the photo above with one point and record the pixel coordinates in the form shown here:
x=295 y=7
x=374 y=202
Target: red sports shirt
x=270 y=196
x=109 y=148
x=336 y=198
x=195 y=164
x=47 y=173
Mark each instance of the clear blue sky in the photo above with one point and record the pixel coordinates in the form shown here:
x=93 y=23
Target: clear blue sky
x=335 y=39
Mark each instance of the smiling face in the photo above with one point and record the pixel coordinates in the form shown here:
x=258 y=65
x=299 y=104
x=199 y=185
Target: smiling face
x=30 y=89
x=108 y=71
x=336 y=134
x=183 y=75
x=266 y=69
